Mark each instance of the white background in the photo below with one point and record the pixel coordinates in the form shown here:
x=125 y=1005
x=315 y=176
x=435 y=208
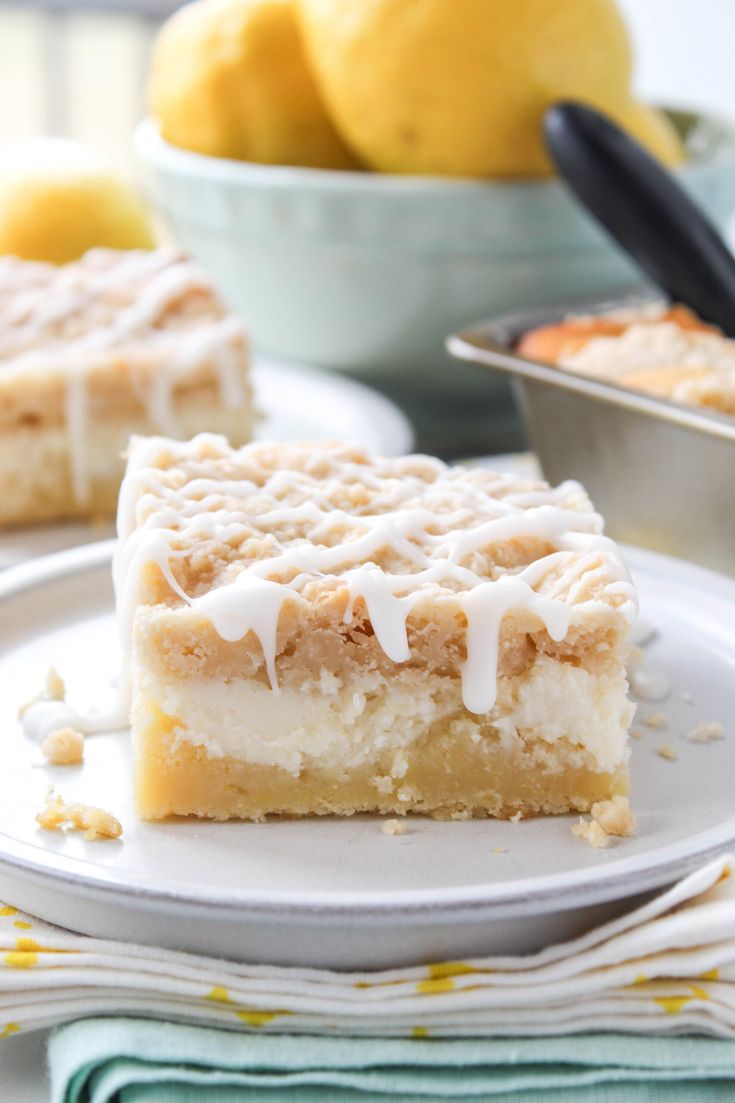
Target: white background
x=685 y=51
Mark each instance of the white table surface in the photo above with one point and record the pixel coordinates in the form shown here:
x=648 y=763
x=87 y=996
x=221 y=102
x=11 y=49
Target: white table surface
x=683 y=58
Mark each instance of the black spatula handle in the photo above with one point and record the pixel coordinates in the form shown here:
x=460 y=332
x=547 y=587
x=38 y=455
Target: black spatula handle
x=644 y=208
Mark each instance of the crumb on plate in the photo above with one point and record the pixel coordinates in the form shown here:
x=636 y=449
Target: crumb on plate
x=637 y=733
x=615 y=817
x=393 y=827
x=63 y=747
x=668 y=752
x=706 y=732
x=516 y=817
x=57 y=815
x=591 y=832
x=609 y=817
x=656 y=720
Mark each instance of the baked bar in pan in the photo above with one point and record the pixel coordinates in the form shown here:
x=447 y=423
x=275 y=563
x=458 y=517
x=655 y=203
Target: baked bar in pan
x=664 y=351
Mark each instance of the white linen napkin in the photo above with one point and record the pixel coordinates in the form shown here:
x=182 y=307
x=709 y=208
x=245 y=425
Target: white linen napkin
x=668 y=966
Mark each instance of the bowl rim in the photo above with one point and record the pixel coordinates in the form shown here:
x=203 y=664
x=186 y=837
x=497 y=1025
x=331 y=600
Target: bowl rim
x=152 y=148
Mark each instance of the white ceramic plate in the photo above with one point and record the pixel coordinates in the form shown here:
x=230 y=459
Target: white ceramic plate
x=340 y=892
x=295 y=403
x=520 y=463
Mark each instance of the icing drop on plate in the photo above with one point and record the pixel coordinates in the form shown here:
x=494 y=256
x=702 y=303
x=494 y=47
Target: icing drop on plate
x=649 y=684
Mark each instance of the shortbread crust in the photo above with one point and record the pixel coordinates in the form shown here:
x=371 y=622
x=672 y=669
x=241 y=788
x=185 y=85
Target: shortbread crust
x=316 y=631
x=94 y=351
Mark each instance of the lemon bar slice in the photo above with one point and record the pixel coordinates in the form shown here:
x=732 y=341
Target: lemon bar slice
x=90 y=352
x=314 y=630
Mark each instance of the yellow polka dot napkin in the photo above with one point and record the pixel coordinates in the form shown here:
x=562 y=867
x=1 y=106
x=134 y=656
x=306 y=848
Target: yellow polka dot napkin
x=667 y=966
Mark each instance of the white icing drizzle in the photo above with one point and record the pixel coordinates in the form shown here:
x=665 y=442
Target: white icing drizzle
x=115 y=301
x=485 y=606
x=44 y=716
x=448 y=521
x=254 y=605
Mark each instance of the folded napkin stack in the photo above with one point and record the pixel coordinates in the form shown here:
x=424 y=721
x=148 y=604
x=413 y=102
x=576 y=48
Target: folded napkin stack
x=665 y=967
x=138 y=1061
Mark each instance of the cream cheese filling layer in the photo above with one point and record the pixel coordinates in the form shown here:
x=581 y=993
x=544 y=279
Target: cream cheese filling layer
x=344 y=726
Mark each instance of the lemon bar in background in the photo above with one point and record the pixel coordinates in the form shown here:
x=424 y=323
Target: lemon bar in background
x=119 y=342
x=314 y=630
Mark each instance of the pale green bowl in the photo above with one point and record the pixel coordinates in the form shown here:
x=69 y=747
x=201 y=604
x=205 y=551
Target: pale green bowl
x=367 y=272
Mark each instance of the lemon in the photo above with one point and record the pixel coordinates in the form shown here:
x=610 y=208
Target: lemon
x=229 y=78
x=58 y=199
x=458 y=87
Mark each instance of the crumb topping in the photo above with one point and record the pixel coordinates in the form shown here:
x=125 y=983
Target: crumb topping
x=221 y=511
x=108 y=298
x=239 y=535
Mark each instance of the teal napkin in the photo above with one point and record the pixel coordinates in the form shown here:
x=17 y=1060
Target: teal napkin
x=137 y=1061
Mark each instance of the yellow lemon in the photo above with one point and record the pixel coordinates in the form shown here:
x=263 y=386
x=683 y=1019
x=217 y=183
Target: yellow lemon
x=654 y=130
x=58 y=199
x=458 y=87
x=229 y=78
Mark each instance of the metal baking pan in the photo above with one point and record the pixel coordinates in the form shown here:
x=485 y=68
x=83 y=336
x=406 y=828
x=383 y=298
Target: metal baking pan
x=662 y=474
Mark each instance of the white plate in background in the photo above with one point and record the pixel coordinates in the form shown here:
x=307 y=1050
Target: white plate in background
x=517 y=463
x=310 y=403
x=295 y=403
x=339 y=892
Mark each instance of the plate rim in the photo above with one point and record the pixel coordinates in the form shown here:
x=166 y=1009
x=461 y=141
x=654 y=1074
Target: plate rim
x=618 y=878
